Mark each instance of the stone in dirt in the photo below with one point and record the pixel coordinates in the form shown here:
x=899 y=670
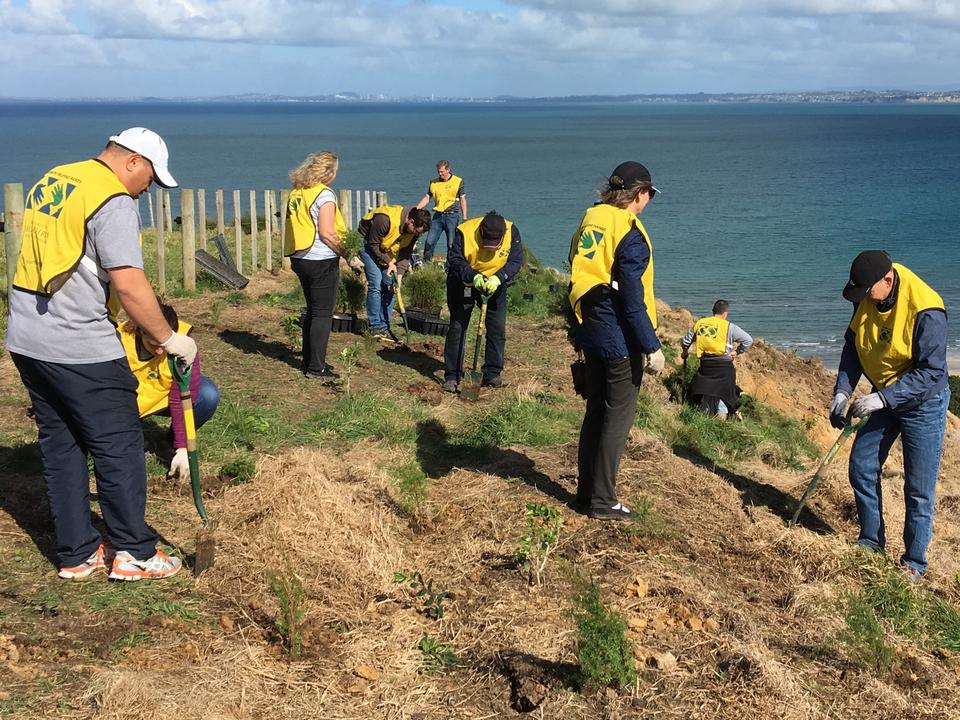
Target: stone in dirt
x=664 y=661
x=637 y=587
x=710 y=625
x=359 y=687
x=367 y=673
x=637 y=622
x=695 y=623
x=227 y=623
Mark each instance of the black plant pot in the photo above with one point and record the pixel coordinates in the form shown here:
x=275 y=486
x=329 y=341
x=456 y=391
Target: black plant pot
x=426 y=323
x=343 y=322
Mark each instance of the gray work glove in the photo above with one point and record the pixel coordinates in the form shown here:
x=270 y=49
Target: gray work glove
x=838 y=409
x=182 y=346
x=656 y=361
x=868 y=404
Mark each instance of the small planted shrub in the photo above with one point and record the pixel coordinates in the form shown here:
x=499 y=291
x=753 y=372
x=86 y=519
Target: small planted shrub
x=605 y=655
x=531 y=421
x=542 y=537
x=364 y=415
x=435 y=656
x=538 y=294
x=239 y=470
x=425 y=288
x=412 y=486
x=423 y=590
x=351 y=294
x=288 y=591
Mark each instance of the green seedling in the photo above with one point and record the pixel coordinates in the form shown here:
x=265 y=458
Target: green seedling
x=436 y=656
x=291 y=328
x=288 y=591
x=605 y=653
x=349 y=360
x=432 y=601
x=544 y=524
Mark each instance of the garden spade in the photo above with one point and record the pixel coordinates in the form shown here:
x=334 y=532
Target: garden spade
x=470 y=387
x=206 y=542
x=403 y=312
x=849 y=428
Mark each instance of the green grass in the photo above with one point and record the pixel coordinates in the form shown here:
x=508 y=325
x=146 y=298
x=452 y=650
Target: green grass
x=130 y=640
x=538 y=294
x=237 y=426
x=764 y=434
x=651 y=417
x=864 y=636
x=364 y=415
x=239 y=470
x=144 y=600
x=532 y=422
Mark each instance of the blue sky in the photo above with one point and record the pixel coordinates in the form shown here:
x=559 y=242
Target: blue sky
x=176 y=48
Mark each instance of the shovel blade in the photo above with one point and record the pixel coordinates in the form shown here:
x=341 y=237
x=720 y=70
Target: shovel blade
x=470 y=386
x=206 y=549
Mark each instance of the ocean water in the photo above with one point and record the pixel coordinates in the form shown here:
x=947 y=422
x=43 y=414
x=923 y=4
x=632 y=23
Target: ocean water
x=763 y=205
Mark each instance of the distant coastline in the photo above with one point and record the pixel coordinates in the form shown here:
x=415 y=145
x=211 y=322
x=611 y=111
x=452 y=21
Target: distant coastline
x=873 y=97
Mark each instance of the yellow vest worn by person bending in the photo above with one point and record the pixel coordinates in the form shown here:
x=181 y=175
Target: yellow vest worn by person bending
x=301 y=230
x=483 y=260
x=444 y=193
x=593 y=249
x=710 y=334
x=54 y=225
x=884 y=340
x=393 y=242
x=153 y=375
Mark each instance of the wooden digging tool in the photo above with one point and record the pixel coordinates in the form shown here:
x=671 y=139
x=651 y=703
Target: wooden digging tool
x=206 y=541
x=849 y=428
x=470 y=387
x=403 y=311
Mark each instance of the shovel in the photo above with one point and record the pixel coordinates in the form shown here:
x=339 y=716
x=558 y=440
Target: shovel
x=683 y=382
x=849 y=428
x=206 y=543
x=403 y=310
x=470 y=386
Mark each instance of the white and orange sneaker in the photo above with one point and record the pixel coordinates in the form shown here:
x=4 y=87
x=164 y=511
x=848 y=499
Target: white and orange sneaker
x=96 y=561
x=161 y=565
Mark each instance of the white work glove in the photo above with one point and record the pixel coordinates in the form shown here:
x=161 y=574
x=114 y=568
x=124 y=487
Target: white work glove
x=656 y=361
x=182 y=346
x=355 y=263
x=838 y=407
x=868 y=404
x=179 y=466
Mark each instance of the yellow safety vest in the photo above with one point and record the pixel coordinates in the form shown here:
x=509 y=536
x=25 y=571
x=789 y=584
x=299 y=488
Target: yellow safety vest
x=393 y=242
x=55 y=223
x=484 y=260
x=301 y=231
x=153 y=375
x=593 y=249
x=711 y=335
x=884 y=340
x=444 y=193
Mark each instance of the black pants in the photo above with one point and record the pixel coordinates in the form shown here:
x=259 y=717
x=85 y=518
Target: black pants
x=319 y=280
x=90 y=409
x=461 y=301
x=612 y=388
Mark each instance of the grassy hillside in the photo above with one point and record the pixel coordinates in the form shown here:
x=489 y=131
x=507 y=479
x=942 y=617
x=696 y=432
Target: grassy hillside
x=386 y=550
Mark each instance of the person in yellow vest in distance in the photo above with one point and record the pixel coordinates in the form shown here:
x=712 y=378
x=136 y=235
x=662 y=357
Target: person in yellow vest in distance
x=611 y=293
x=80 y=261
x=449 y=207
x=485 y=256
x=390 y=234
x=157 y=391
x=314 y=237
x=717 y=342
x=898 y=340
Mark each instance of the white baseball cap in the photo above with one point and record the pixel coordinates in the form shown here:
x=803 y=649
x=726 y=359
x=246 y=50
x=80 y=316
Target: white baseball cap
x=147 y=143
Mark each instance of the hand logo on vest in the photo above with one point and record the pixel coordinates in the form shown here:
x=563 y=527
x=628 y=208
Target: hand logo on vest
x=886 y=335
x=58 y=192
x=707 y=331
x=590 y=239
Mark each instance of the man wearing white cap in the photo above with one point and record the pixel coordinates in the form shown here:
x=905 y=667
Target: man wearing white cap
x=80 y=261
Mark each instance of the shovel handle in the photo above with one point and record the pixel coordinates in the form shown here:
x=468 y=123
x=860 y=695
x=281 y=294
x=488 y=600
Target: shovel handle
x=182 y=377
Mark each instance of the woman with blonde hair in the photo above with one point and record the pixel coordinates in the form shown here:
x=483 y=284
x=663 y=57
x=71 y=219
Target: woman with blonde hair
x=315 y=233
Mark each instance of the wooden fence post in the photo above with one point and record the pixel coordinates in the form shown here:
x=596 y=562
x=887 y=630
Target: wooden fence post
x=253 y=230
x=383 y=197
x=168 y=210
x=238 y=231
x=188 y=230
x=344 y=202
x=12 y=227
x=150 y=209
x=161 y=240
x=268 y=227
x=360 y=212
x=202 y=217
x=284 y=199
x=218 y=197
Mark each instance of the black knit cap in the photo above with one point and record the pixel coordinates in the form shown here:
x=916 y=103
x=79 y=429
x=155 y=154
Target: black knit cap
x=492 y=230
x=866 y=270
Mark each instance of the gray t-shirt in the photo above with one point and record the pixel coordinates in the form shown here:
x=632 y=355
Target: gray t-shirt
x=73 y=326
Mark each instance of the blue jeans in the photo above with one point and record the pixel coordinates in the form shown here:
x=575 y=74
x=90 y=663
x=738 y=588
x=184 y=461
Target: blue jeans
x=921 y=432
x=206 y=401
x=380 y=295
x=445 y=222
